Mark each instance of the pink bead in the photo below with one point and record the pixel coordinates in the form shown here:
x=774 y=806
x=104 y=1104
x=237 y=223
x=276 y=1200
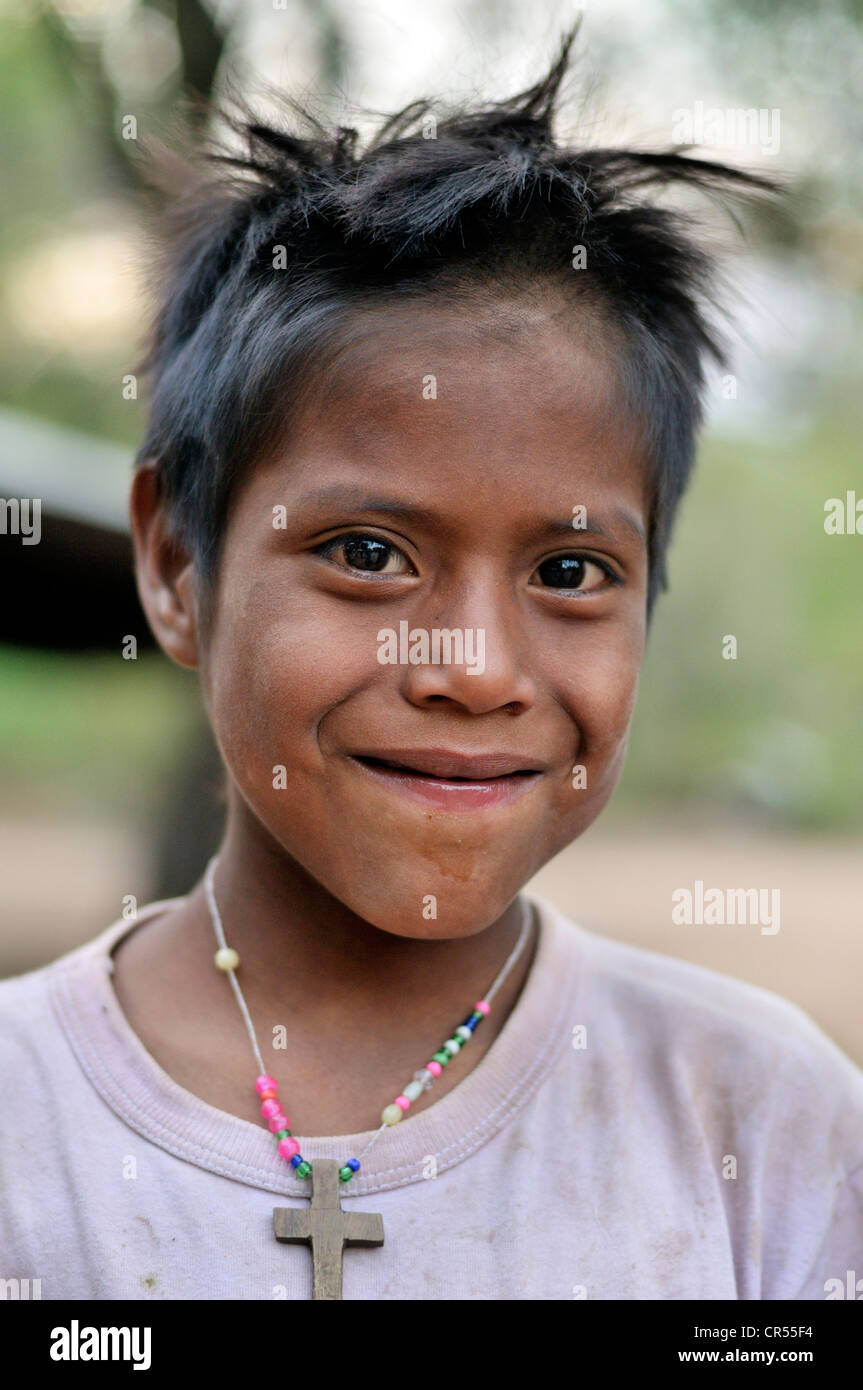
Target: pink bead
x=270 y=1108
x=266 y=1083
x=279 y=1122
x=288 y=1147
x=434 y=1067
x=482 y=1007
x=403 y=1102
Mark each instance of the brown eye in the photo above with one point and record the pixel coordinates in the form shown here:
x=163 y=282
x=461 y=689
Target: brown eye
x=575 y=572
x=369 y=554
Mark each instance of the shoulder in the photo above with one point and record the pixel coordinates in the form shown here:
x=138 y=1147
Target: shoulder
x=650 y=986
x=712 y=1034
x=701 y=999
x=29 y=1028
x=23 y=1002
x=28 y=1017
x=33 y=1050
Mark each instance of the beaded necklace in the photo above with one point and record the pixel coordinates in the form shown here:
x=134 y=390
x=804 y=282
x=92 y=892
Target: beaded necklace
x=362 y=1228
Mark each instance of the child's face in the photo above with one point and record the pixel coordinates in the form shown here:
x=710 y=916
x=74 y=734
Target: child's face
x=464 y=503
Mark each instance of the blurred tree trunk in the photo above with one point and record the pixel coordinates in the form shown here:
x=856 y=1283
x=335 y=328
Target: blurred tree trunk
x=201 y=44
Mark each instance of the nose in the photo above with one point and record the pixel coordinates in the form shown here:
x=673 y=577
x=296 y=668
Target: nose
x=473 y=657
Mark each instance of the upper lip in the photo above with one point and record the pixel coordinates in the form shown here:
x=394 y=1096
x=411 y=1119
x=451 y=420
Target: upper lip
x=449 y=762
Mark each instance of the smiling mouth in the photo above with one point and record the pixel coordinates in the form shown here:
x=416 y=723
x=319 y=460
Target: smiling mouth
x=387 y=765
x=449 y=780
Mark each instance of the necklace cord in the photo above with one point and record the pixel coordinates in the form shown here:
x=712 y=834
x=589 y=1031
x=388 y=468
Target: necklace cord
x=235 y=985
x=218 y=927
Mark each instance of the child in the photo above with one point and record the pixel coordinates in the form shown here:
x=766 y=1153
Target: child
x=421 y=418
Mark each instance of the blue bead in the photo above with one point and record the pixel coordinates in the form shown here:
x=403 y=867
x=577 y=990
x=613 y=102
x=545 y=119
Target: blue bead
x=353 y=1163
x=296 y=1160
x=466 y=1023
x=471 y=1023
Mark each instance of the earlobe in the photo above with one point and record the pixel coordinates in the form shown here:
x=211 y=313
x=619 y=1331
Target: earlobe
x=164 y=571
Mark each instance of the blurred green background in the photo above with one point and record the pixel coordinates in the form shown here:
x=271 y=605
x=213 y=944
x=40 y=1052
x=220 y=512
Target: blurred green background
x=95 y=751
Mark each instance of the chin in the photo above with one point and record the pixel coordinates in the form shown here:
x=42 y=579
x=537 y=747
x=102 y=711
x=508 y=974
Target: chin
x=443 y=912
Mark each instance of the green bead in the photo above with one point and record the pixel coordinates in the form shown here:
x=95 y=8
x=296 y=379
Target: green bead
x=477 y=1015
x=283 y=1134
x=442 y=1057
x=303 y=1169
x=346 y=1173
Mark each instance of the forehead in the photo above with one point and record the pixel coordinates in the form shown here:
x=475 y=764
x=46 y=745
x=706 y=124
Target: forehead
x=513 y=395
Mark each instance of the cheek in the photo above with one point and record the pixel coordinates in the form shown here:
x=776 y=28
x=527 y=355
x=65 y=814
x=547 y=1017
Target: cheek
x=598 y=691
x=277 y=666
x=608 y=694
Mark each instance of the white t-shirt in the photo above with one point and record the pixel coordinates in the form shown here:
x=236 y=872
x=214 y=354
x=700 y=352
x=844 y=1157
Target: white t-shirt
x=641 y=1128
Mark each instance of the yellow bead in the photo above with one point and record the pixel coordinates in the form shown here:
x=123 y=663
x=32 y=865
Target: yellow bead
x=391 y=1114
x=226 y=958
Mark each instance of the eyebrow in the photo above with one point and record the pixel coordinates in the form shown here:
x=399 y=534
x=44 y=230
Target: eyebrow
x=603 y=525
x=340 y=494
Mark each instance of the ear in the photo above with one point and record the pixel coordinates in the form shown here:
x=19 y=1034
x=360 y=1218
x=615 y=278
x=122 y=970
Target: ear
x=164 y=571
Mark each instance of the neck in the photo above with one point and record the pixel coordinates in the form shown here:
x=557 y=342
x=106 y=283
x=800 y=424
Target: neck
x=356 y=1009
x=305 y=952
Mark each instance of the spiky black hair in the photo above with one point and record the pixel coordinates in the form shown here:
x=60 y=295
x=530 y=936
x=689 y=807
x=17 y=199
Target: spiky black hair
x=491 y=196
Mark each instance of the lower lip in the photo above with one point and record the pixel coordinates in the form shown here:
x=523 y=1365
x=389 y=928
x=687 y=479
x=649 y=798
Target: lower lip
x=452 y=796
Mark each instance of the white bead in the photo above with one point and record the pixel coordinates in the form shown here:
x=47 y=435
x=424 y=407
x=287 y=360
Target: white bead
x=226 y=958
x=451 y=1047
x=462 y=1032
x=425 y=1078
x=391 y=1114
x=413 y=1090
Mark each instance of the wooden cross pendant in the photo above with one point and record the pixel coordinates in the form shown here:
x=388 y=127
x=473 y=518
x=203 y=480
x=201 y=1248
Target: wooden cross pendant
x=327 y=1228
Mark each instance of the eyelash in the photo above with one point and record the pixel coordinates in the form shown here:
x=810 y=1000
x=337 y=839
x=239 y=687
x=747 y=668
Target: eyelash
x=335 y=542
x=328 y=547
